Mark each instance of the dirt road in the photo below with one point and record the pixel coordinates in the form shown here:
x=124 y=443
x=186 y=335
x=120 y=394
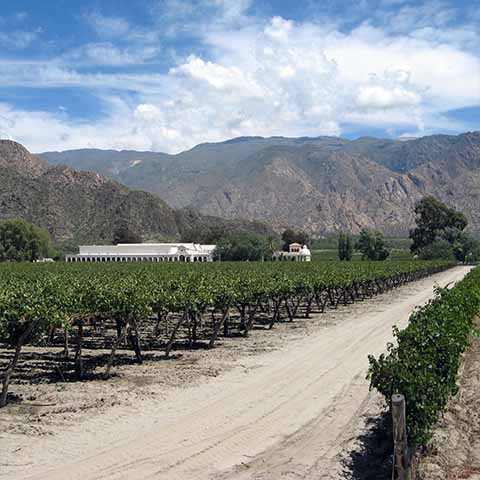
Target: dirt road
x=283 y=414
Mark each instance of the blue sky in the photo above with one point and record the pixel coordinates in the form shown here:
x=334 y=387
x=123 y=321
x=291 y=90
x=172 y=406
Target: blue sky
x=165 y=75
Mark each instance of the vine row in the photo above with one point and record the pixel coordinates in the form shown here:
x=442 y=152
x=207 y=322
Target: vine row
x=163 y=307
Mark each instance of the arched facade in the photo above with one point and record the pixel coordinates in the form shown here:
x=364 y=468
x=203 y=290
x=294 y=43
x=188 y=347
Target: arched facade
x=296 y=253
x=144 y=252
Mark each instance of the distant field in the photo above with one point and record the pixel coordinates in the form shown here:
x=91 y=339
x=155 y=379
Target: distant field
x=331 y=243
x=324 y=255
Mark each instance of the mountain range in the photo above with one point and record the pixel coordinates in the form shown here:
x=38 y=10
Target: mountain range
x=322 y=184
x=83 y=207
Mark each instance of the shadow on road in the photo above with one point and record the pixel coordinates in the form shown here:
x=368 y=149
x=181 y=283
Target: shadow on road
x=372 y=459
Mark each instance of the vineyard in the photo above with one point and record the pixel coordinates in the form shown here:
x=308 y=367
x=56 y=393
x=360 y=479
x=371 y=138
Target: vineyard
x=423 y=364
x=166 y=307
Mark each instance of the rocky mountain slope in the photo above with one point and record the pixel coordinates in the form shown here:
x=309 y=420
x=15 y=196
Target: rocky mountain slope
x=80 y=206
x=321 y=184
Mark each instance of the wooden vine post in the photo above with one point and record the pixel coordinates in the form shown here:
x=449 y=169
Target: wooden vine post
x=401 y=456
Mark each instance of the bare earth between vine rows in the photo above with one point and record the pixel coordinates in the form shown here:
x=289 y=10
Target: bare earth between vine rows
x=280 y=404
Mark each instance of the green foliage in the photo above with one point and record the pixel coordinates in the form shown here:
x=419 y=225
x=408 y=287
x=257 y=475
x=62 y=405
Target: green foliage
x=348 y=248
x=466 y=248
x=345 y=247
x=205 y=234
x=325 y=255
x=424 y=364
x=65 y=248
x=330 y=242
x=206 y=229
x=435 y=221
x=400 y=254
x=327 y=242
x=56 y=293
x=23 y=241
x=35 y=298
x=372 y=244
x=439 y=233
x=327 y=248
x=438 y=249
x=294 y=236
x=243 y=247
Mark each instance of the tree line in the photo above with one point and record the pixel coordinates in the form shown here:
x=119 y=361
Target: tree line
x=440 y=233
x=23 y=241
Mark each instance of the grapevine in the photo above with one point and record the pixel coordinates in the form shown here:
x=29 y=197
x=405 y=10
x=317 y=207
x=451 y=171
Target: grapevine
x=150 y=306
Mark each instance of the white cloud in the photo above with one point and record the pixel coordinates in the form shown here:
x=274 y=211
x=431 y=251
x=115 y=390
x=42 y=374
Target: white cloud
x=219 y=76
x=108 y=26
x=376 y=96
x=447 y=75
x=192 y=11
x=59 y=132
x=257 y=77
x=18 y=39
x=106 y=53
x=232 y=9
x=279 y=29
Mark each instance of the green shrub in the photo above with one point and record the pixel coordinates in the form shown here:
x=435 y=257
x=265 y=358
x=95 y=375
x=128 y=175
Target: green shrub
x=424 y=364
x=373 y=245
x=23 y=241
x=438 y=249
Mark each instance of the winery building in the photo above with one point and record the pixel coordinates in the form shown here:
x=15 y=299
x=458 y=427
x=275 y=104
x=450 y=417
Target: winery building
x=296 y=252
x=144 y=252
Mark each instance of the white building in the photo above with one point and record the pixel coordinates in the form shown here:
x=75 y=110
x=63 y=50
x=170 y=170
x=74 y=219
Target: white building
x=144 y=252
x=296 y=252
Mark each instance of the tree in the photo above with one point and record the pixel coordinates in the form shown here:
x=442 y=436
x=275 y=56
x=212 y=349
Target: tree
x=465 y=248
x=200 y=233
x=439 y=249
x=23 y=241
x=372 y=244
x=123 y=234
x=345 y=246
x=294 y=236
x=242 y=247
x=435 y=220
x=348 y=248
x=341 y=246
x=272 y=244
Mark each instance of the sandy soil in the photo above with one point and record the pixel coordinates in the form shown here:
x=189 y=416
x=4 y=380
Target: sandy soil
x=455 y=449
x=284 y=404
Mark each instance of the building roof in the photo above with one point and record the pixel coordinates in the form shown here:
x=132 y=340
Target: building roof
x=295 y=244
x=146 y=249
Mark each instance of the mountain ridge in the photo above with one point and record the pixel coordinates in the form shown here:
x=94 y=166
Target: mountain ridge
x=321 y=184
x=81 y=206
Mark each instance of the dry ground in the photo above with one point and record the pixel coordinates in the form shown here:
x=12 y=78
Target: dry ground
x=290 y=403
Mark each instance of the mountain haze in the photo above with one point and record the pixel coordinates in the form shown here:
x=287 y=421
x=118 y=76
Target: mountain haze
x=321 y=184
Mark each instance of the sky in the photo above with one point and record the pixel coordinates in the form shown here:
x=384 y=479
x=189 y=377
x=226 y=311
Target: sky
x=165 y=75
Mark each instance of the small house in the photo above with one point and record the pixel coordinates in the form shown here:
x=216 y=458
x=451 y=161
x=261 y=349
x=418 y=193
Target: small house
x=296 y=252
